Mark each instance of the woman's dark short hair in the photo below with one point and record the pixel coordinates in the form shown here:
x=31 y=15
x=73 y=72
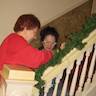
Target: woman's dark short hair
x=28 y=21
x=49 y=31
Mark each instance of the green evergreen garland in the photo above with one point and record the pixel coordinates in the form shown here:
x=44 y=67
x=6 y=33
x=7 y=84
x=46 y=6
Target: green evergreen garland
x=75 y=41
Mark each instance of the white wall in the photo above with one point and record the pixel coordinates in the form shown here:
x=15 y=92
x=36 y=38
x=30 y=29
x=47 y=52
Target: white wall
x=45 y=10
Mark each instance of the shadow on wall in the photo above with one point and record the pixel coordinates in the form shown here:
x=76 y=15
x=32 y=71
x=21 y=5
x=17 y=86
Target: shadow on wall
x=70 y=22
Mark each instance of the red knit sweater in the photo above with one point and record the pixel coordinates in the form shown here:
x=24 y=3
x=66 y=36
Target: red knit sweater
x=16 y=50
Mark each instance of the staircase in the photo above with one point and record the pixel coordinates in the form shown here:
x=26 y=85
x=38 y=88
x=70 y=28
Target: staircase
x=74 y=76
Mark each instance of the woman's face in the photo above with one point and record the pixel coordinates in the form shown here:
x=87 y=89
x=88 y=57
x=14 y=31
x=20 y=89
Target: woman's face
x=49 y=42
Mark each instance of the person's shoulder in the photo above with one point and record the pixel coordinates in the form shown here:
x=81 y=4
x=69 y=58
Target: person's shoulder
x=15 y=38
x=11 y=35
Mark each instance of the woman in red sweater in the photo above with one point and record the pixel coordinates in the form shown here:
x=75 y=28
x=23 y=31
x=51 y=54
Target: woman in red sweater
x=16 y=48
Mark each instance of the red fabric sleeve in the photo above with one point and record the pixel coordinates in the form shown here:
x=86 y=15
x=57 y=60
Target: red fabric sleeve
x=31 y=57
x=16 y=50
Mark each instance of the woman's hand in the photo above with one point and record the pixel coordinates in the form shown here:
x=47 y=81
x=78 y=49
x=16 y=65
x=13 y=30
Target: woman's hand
x=62 y=46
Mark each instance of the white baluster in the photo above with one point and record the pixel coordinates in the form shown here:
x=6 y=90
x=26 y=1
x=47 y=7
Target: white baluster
x=91 y=68
x=73 y=85
x=65 y=83
x=57 y=82
x=2 y=86
x=35 y=91
x=47 y=86
x=83 y=74
x=4 y=89
x=94 y=76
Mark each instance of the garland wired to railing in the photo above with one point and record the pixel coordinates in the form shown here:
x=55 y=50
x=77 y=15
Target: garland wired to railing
x=75 y=41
